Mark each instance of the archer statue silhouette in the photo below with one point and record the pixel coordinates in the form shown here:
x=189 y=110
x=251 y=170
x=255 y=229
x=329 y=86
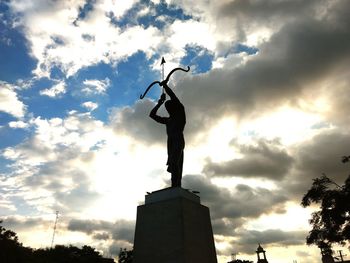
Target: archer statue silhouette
x=175 y=125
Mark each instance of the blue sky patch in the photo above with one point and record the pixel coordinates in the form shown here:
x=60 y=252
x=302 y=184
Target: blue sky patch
x=241 y=48
x=152 y=18
x=84 y=10
x=13 y=50
x=11 y=136
x=199 y=57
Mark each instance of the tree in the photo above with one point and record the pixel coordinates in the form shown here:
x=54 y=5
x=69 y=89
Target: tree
x=240 y=261
x=10 y=248
x=11 y=251
x=331 y=223
x=125 y=256
x=69 y=254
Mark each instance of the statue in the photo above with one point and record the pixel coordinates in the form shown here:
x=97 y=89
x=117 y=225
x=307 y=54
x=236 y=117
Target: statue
x=175 y=125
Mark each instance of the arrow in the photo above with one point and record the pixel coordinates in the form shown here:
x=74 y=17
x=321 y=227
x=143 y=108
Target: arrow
x=162 y=64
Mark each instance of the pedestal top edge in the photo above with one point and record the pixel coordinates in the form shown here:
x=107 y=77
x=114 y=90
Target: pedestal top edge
x=170 y=193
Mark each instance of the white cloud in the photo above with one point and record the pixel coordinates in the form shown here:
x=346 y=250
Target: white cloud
x=118 y=7
x=182 y=33
x=18 y=124
x=95 y=86
x=56 y=35
x=9 y=101
x=90 y=105
x=76 y=163
x=57 y=90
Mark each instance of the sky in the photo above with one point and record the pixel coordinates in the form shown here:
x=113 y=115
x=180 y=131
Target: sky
x=266 y=102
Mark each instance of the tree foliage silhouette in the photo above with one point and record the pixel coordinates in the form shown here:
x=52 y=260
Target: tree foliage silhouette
x=125 y=256
x=240 y=261
x=12 y=251
x=69 y=254
x=331 y=223
x=10 y=248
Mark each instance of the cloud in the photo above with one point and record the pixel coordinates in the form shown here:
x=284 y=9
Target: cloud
x=18 y=124
x=290 y=64
x=236 y=205
x=268 y=11
x=9 y=101
x=134 y=122
x=60 y=36
x=18 y=223
x=90 y=105
x=95 y=86
x=120 y=230
x=57 y=90
x=37 y=171
x=248 y=239
x=80 y=195
x=303 y=54
x=101 y=236
x=338 y=105
x=118 y=9
x=89 y=226
x=6 y=205
x=290 y=69
x=322 y=154
x=266 y=160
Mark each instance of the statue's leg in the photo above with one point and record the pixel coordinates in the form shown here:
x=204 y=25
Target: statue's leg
x=173 y=180
x=175 y=162
x=179 y=169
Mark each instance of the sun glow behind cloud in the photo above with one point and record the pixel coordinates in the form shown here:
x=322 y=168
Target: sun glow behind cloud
x=288 y=124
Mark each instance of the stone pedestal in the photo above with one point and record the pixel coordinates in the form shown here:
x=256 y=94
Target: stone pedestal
x=173 y=227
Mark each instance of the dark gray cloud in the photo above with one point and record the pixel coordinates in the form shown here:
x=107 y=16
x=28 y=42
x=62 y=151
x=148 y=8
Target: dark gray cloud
x=267 y=10
x=320 y=155
x=89 y=226
x=305 y=51
x=323 y=155
x=135 y=122
x=230 y=209
x=225 y=226
x=124 y=230
x=266 y=160
x=121 y=230
x=18 y=224
x=248 y=239
x=339 y=102
x=293 y=61
x=101 y=236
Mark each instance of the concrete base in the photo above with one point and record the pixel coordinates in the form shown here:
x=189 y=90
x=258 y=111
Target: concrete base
x=173 y=227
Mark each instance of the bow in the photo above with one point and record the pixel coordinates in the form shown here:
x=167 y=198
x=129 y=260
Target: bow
x=166 y=80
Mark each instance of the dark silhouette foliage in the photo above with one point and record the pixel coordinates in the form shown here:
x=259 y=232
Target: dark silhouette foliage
x=10 y=248
x=11 y=251
x=331 y=223
x=240 y=261
x=125 y=256
x=69 y=254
